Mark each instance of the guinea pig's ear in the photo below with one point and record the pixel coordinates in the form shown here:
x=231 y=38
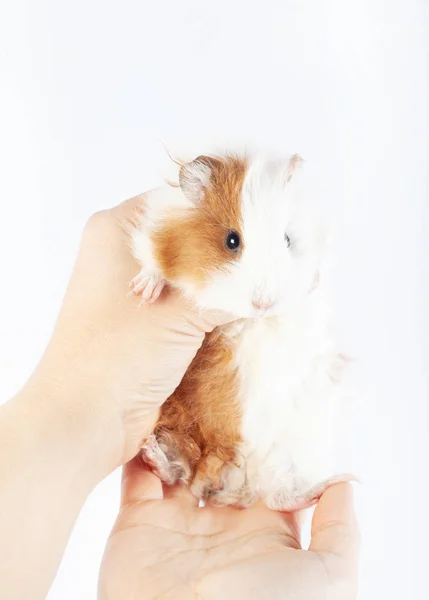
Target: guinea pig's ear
x=195 y=177
x=295 y=163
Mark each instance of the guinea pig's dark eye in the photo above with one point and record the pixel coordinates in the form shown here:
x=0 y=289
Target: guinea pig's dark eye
x=287 y=240
x=232 y=241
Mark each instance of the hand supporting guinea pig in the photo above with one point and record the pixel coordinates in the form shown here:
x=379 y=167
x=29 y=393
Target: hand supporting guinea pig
x=163 y=546
x=93 y=398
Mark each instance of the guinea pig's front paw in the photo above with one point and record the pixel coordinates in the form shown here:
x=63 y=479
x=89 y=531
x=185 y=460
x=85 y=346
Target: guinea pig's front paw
x=147 y=285
x=290 y=500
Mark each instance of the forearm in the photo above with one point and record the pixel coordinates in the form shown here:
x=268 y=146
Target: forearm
x=50 y=460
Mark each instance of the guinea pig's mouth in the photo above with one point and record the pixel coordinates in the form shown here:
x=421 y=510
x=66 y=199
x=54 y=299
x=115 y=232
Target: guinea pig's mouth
x=262 y=306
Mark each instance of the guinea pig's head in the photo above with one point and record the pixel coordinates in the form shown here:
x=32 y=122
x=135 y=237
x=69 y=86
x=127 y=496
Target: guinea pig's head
x=246 y=239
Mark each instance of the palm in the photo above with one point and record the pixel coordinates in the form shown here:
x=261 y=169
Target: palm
x=170 y=548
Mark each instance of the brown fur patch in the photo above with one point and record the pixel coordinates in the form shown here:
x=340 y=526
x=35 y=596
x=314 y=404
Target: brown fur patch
x=192 y=243
x=201 y=421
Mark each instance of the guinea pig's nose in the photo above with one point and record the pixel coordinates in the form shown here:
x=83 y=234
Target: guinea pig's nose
x=260 y=304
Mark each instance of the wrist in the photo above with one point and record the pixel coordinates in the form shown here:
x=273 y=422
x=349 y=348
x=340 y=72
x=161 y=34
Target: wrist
x=68 y=417
x=56 y=446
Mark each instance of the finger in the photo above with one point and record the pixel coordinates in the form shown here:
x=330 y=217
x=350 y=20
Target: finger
x=182 y=494
x=138 y=483
x=206 y=320
x=127 y=207
x=128 y=215
x=334 y=527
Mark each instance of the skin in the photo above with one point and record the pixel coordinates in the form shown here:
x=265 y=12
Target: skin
x=91 y=401
x=164 y=546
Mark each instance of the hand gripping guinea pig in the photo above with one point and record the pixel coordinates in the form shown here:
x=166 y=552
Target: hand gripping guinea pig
x=253 y=416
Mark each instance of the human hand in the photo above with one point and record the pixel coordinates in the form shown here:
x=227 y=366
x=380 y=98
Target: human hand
x=89 y=404
x=111 y=363
x=163 y=546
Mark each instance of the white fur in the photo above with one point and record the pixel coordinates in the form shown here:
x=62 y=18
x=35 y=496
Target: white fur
x=156 y=205
x=268 y=270
x=288 y=401
x=283 y=359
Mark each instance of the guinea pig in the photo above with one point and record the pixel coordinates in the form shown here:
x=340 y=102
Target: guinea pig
x=253 y=416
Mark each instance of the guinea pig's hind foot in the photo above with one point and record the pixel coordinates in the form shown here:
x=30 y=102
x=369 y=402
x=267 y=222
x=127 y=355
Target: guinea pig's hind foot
x=147 y=285
x=289 y=501
x=223 y=483
x=155 y=458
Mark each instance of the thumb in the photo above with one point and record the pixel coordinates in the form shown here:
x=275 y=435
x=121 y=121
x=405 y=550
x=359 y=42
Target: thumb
x=334 y=527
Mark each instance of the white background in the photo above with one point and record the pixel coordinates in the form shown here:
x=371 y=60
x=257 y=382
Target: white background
x=89 y=87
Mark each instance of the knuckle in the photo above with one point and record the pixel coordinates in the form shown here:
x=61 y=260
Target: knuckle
x=97 y=219
x=98 y=225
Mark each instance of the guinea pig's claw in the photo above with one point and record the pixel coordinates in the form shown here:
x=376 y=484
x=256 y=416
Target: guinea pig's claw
x=147 y=286
x=156 y=459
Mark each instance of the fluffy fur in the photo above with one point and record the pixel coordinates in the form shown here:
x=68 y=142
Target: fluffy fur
x=253 y=415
